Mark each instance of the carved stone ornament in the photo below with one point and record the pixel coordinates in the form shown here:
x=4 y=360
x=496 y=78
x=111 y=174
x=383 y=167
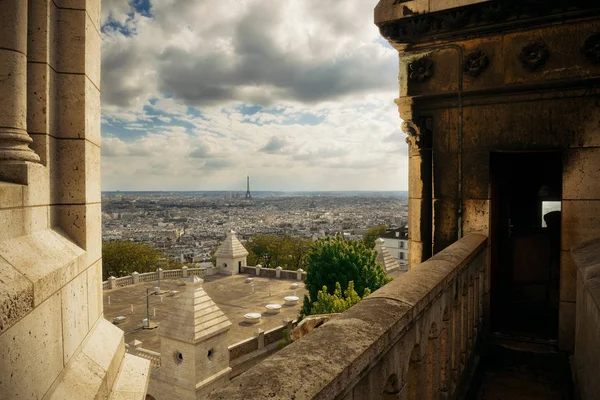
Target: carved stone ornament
x=420 y=70
x=534 y=55
x=413 y=132
x=591 y=48
x=476 y=62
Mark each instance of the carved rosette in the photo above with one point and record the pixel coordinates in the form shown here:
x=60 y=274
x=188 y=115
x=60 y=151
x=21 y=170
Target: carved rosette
x=591 y=48
x=420 y=70
x=534 y=55
x=476 y=62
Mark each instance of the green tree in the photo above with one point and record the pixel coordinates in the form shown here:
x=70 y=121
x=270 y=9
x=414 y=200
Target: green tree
x=287 y=252
x=123 y=257
x=336 y=303
x=370 y=236
x=333 y=260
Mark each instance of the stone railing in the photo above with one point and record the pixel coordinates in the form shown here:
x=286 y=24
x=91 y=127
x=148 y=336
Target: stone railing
x=412 y=339
x=278 y=273
x=135 y=277
x=153 y=356
x=586 y=360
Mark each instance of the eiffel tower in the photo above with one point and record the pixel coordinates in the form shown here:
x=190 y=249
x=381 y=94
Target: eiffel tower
x=248 y=195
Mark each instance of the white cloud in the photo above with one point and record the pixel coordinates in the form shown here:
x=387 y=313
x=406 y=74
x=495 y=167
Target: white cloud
x=197 y=94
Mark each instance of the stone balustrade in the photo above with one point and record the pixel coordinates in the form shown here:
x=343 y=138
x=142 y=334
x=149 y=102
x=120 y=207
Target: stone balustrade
x=153 y=356
x=415 y=338
x=134 y=278
x=276 y=273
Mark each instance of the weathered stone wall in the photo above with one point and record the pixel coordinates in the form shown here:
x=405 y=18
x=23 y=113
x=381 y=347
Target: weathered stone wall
x=53 y=339
x=413 y=338
x=586 y=362
x=534 y=90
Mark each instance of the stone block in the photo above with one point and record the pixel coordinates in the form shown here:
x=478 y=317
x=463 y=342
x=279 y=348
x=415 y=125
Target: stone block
x=83 y=225
x=92 y=113
x=580 y=222
x=476 y=216
x=70 y=96
x=494 y=74
x=82 y=379
x=43 y=259
x=12 y=223
x=37 y=190
x=133 y=379
x=581 y=174
x=476 y=175
x=445 y=220
x=74 y=298
x=415 y=223
x=68 y=172
x=36 y=218
x=12 y=108
x=37 y=31
x=92 y=173
x=68 y=41
x=415 y=183
x=92 y=52
x=38 y=81
x=445 y=125
x=16 y=295
x=445 y=175
x=444 y=77
x=41 y=147
x=94 y=288
x=31 y=352
x=568 y=277
x=106 y=348
x=11 y=195
x=415 y=253
x=13 y=15
x=566 y=326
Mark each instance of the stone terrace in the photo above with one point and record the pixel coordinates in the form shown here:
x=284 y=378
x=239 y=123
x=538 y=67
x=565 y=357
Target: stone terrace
x=232 y=294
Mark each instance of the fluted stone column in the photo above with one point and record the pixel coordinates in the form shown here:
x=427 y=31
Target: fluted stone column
x=14 y=140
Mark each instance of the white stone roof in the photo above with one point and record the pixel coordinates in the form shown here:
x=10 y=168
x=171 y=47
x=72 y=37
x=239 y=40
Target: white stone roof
x=231 y=247
x=384 y=257
x=194 y=317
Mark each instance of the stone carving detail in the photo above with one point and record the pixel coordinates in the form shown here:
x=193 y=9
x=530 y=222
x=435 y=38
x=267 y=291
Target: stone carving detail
x=477 y=15
x=476 y=62
x=420 y=70
x=534 y=55
x=417 y=132
x=591 y=48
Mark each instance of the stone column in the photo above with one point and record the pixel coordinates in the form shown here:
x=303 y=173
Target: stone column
x=299 y=274
x=257 y=269
x=14 y=140
x=113 y=282
x=135 y=276
x=261 y=338
x=278 y=272
x=160 y=273
x=184 y=272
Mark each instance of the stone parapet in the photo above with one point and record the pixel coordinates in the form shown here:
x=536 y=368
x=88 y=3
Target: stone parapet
x=413 y=338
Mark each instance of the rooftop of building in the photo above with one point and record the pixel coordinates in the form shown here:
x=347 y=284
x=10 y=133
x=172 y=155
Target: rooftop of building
x=231 y=294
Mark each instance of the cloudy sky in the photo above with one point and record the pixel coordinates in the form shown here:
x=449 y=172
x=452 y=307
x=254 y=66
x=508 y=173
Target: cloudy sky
x=298 y=94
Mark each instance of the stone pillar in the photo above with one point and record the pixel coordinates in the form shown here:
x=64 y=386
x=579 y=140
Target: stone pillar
x=136 y=277
x=160 y=273
x=14 y=140
x=113 y=282
x=261 y=338
x=184 y=272
x=299 y=274
x=289 y=326
x=257 y=269
x=278 y=272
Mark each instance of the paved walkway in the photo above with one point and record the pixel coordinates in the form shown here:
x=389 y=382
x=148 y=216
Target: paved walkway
x=232 y=294
x=511 y=370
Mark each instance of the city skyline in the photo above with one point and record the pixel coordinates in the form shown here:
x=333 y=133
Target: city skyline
x=298 y=95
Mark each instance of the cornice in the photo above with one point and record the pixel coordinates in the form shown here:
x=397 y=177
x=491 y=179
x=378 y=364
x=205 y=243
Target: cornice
x=483 y=18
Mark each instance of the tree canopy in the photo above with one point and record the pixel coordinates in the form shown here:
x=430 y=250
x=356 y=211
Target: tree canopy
x=370 y=236
x=123 y=257
x=333 y=262
x=336 y=303
x=271 y=251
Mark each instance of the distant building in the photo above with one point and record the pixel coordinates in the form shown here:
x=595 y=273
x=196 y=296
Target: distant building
x=231 y=255
x=396 y=242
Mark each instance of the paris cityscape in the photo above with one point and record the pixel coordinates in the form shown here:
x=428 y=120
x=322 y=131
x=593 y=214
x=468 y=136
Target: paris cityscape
x=187 y=226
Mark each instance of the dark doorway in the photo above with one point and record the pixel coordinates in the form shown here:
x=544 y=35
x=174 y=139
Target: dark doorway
x=239 y=267
x=525 y=238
